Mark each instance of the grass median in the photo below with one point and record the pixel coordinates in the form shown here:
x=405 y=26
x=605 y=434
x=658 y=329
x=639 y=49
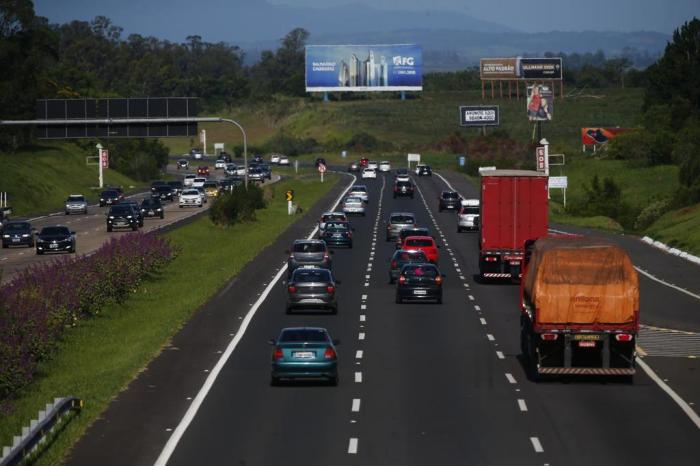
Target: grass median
x=99 y=357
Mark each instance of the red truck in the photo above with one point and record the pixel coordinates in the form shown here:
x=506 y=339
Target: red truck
x=514 y=209
x=579 y=301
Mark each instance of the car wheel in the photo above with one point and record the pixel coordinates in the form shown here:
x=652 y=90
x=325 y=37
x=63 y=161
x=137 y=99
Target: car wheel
x=39 y=253
x=391 y=280
x=350 y=246
x=109 y=229
x=141 y=223
x=32 y=244
x=181 y=207
x=163 y=215
x=134 y=228
x=333 y=381
x=67 y=213
x=274 y=381
x=398 y=300
x=334 y=310
x=288 y=310
x=200 y=206
x=72 y=250
x=439 y=300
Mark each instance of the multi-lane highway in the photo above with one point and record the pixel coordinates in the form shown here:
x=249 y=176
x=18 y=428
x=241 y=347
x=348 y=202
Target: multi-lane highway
x=420 y=384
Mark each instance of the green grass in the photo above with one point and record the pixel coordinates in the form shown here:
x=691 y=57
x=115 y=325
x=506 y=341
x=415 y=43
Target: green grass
x=99 y=357
x=39 y=179
x=679 y=229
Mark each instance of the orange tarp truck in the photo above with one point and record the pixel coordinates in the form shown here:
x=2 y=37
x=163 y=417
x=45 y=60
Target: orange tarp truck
x=580 y=307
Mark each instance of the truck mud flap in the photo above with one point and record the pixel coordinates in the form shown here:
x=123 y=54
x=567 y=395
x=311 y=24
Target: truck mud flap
x=586 y=371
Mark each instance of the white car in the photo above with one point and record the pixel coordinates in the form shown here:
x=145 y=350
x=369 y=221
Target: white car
x=468 y=215
x=284 y=160
x=373 y=164
x=274 y=158
x=354 y=205
x=359 y=190
x=197 y=154
x=369 y=173
x=220 y=164
x=384 y=166
x=198 y=182
x=189 y=179
x=191 y=198
x=403 y=177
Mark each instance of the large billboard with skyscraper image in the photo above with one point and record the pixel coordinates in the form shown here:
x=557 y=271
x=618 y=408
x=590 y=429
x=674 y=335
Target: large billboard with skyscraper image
x=364 y=68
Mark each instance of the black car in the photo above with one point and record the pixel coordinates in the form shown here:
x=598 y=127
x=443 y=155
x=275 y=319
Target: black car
x=402 y=257
x=157 y=183
x=55 y=239
x=312 y=289
x=354 y=167
x=183 y=163
x=152 y=208
x=337 y=234
x=401 y=172
x=163 y=192
x=122 y=216
x=449 y=200
x=403 y=188
x=137 y=209
x=425 y=170
x=258 y=159
x=110 y=197
x=419 y=282
x=411 y=231
x=225 y=156
x=176 y=187
x=18 y=234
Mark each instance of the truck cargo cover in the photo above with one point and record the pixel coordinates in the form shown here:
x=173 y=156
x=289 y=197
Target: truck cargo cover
x=582 y=281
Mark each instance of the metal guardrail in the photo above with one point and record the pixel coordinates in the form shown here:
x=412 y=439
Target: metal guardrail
x=34 y=434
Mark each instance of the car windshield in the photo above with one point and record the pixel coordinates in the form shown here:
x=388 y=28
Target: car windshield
x=470 y=210
x=120 y=210
x=76 y=198
x=406 y=232
x=353 y=200
x=163 y=188
x=303 y=334
x=450 y=196
x=210 y=184
x=309 y=247
x=401 y=219
x=150 y=203
x=406 y=256
x=55 y=231
x=311 y=275
x=109 y=194
x=190 y=177
x=175 y=184
x=200 y=180
x=420 y=242
x=401 y=184
x=427 y=271
x=17 y=226
x=190 y=192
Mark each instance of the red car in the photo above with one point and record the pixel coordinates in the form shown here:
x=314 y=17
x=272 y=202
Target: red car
x=422 y=243
x=203 y=171
x=363 y=162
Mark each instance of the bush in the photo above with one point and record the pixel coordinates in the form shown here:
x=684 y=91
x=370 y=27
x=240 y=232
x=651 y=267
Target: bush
x=238 y=205
x=642 y=148
x=290 y=145
x=365 y=142
x=42 y=301
x=600 y=199
x=650 y=214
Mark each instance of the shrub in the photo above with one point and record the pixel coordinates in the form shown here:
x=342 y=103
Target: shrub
x=642 y=148
x=650 y=214
x=599 y=199
x=238 y=205
x=290 y=145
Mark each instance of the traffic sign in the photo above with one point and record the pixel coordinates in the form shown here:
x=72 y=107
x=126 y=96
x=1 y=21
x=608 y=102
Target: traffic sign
x=290 y=195
x=321 y=168
x=540 y=158
x=104 y=158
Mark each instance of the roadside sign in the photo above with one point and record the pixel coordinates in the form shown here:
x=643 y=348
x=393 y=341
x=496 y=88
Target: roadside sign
x=104 y=158
x=479 y=115
x=560 y=182
x=462 y=160
x=486 y=169
x=290 y=195
x=413 y=158
x=540 y=158
x=321 y=168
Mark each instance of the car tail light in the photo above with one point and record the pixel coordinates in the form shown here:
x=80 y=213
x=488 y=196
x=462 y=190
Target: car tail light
x=402 y=280
x=549 y=336
x=438 y=280
x=325 y=255
x=329 y=353
x=330 y=289
x=292 y=289
x=278 y=354
x=623 y=337
x=394 y=264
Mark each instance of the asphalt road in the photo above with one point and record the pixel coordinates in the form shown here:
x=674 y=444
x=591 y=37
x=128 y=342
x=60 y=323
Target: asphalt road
x=420 y=384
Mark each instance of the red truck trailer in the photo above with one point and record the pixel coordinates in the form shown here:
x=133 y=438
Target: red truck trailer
x=579 y=308
x=514 y=209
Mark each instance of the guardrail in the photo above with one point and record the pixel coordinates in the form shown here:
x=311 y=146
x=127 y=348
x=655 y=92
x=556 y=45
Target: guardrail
x=38 y=429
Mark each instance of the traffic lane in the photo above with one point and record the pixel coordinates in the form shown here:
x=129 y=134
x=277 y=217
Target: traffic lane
x=434 y=393
x=307 y=422
x=570 y=413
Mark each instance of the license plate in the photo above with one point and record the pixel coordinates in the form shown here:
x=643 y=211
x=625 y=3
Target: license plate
x=420 y=292
x=53 y=246
x=337 y=235
x=15 y=240
x=150 y=212
x=586 y=344
x=304 y=354
x=586 y=337
x=308 y=266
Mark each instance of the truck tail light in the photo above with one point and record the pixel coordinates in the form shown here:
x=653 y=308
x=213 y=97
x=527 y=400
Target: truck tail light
x=549 y=336
x=292 y=289
x=625 y=337
x=330 y=289
x=438 y=280
x=490 y=259
x=277 y=354
x=402 y=280
x=329 y=353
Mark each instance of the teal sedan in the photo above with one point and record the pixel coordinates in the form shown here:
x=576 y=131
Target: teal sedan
x=304 y=353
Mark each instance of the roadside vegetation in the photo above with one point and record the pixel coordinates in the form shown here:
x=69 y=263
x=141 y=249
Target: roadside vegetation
x=124 y=336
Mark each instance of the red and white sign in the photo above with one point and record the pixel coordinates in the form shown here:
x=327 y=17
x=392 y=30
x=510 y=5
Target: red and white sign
x=539 y=152
x=321 y=168
x=104 y=158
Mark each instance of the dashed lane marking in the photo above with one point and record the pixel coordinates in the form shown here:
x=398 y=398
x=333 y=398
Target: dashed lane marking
x=536 y=445
x=352 y=446
x=361 y=336
x=482 y=320
x=510 y=378
x=500 y=355
x=521 y=405
x=363 y=318
x=358 y=377
x=359 y=353
x=489 y=336
x=356 y=405
x=471 y=298
x=476 y=307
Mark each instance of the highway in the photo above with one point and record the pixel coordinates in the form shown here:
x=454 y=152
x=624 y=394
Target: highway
x=420 y=384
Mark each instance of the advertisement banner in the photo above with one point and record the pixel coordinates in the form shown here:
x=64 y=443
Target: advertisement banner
x=480 y=115
x=598 y=135
x=540 y=103
x=363 y=68
x=540 y=68
x=498 y=68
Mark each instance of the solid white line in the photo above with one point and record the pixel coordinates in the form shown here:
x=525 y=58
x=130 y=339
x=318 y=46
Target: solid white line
x=355 y=405
x=669 y=391
x=510 y=378
x=191 y=412
x=490 y=337
x=536 y=444
x=352 y=446
x=358 y=377
x=361 y=336
x=358 y=354
x=521 y=405
x=500 y=355
x=482 y=320
x=678 y=288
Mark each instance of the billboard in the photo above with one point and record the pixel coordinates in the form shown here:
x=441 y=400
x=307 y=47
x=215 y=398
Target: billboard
x=598 y=135
x=480 y=115
x=364 y=68
x=540 y=102
x=520 y=68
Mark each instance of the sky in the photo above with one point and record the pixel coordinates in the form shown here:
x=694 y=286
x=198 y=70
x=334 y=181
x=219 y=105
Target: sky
x=164 y=18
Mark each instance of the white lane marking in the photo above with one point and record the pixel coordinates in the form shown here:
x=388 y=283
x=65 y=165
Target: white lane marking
x=191 y=412
x=471 y=298
x=352 y=446
x=358 y=377
x=363 y=318
x=490 y=337
x=536 y=444
x=476 y=307
x=521 y=405
x=363 y=306
x=510 y=378
x=359 y=354
x=368 y=277
x=482 y=320
x=500 y=355
x=366 y=283
x=669 y=391
x=364 y=296
x=361 y=336
x=355 y=405
x=677 y=288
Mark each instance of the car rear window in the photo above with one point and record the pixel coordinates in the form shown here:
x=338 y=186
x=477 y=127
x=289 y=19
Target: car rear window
x=109 y=194
x=427 y=271
x=76 y=198
x=353 y=200
x=450 y=196
x=303 y=334
x=311 y=275
x=419 y=242
x=55 y=231
x=330 y=217
x=401 y=219
x=309 y=247
x=406 y=256
x=470 y=210
x=406 y=232
x=358 y=189
x=336 y=226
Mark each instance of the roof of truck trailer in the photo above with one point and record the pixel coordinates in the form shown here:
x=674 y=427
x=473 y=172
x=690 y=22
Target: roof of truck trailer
x=512 y=173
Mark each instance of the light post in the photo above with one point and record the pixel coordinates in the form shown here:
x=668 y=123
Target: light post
x=99 y=162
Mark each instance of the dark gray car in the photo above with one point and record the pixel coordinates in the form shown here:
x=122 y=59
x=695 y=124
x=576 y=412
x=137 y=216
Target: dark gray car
x=397 y=222
x=308 y=253
x=312 y=289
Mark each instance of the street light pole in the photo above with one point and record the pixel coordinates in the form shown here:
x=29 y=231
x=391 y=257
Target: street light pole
x=245 y=149
x=99 y=162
